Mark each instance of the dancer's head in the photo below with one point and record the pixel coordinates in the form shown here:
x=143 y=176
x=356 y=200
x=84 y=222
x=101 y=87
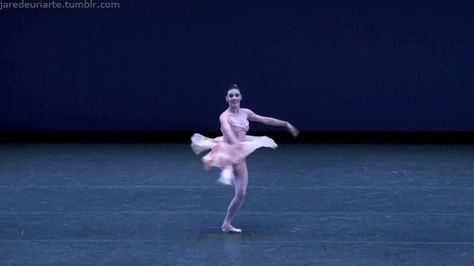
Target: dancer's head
x=233 y=96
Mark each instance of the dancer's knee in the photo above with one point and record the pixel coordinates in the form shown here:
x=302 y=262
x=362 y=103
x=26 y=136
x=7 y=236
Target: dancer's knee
x=240 y=194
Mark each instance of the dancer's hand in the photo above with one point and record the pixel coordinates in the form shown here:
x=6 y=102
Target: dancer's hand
x=292 y=130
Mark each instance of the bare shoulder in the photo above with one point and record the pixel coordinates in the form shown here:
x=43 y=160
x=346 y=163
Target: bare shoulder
x=247 y=111
x=224 y=116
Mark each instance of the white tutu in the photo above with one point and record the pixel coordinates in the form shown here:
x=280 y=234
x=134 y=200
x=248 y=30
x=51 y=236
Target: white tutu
x=224 y=155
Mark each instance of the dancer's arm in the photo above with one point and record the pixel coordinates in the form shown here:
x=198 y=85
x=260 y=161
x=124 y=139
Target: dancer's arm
x=272 y=122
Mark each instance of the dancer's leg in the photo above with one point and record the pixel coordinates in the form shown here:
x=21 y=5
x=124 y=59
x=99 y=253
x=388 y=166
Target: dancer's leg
x=240 y=186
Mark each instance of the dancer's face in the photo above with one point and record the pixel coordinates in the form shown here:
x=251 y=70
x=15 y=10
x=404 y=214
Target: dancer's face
x=233 y=97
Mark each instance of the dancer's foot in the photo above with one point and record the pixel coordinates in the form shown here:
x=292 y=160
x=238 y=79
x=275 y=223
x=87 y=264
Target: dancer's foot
x=231 y=229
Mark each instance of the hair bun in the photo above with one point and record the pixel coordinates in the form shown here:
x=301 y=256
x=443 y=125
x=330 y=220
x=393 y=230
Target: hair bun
x=233 y=86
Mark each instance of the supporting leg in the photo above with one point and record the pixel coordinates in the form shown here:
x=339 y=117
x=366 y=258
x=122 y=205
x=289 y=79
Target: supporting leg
x=240 y=186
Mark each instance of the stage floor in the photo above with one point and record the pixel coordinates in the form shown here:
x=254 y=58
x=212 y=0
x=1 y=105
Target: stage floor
x=307 y=204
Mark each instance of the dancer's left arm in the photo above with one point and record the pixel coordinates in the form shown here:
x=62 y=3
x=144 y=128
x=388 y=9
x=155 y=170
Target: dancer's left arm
x=272 y=122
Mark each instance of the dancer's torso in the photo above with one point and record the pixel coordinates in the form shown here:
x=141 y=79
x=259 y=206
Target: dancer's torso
x=238 y=124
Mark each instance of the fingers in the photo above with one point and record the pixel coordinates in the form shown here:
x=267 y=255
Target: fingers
x=294 y=132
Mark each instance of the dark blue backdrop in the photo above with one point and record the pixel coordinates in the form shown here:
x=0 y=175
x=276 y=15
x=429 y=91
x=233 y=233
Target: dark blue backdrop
x=164 y=65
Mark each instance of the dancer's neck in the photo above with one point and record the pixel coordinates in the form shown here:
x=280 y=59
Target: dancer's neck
x=234 y=110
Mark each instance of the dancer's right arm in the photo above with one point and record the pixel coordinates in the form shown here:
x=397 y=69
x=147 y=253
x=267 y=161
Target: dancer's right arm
x=227 y=130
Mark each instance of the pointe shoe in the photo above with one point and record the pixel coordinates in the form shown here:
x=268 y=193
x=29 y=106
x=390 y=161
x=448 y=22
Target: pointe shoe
x=231 y=229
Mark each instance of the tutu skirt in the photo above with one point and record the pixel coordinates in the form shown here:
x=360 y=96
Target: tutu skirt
x=224 y=155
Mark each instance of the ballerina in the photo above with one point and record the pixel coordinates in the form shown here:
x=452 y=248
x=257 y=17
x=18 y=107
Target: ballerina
x=229 y=151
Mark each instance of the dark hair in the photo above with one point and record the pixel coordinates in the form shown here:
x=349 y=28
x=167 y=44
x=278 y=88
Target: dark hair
x=231 y=87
